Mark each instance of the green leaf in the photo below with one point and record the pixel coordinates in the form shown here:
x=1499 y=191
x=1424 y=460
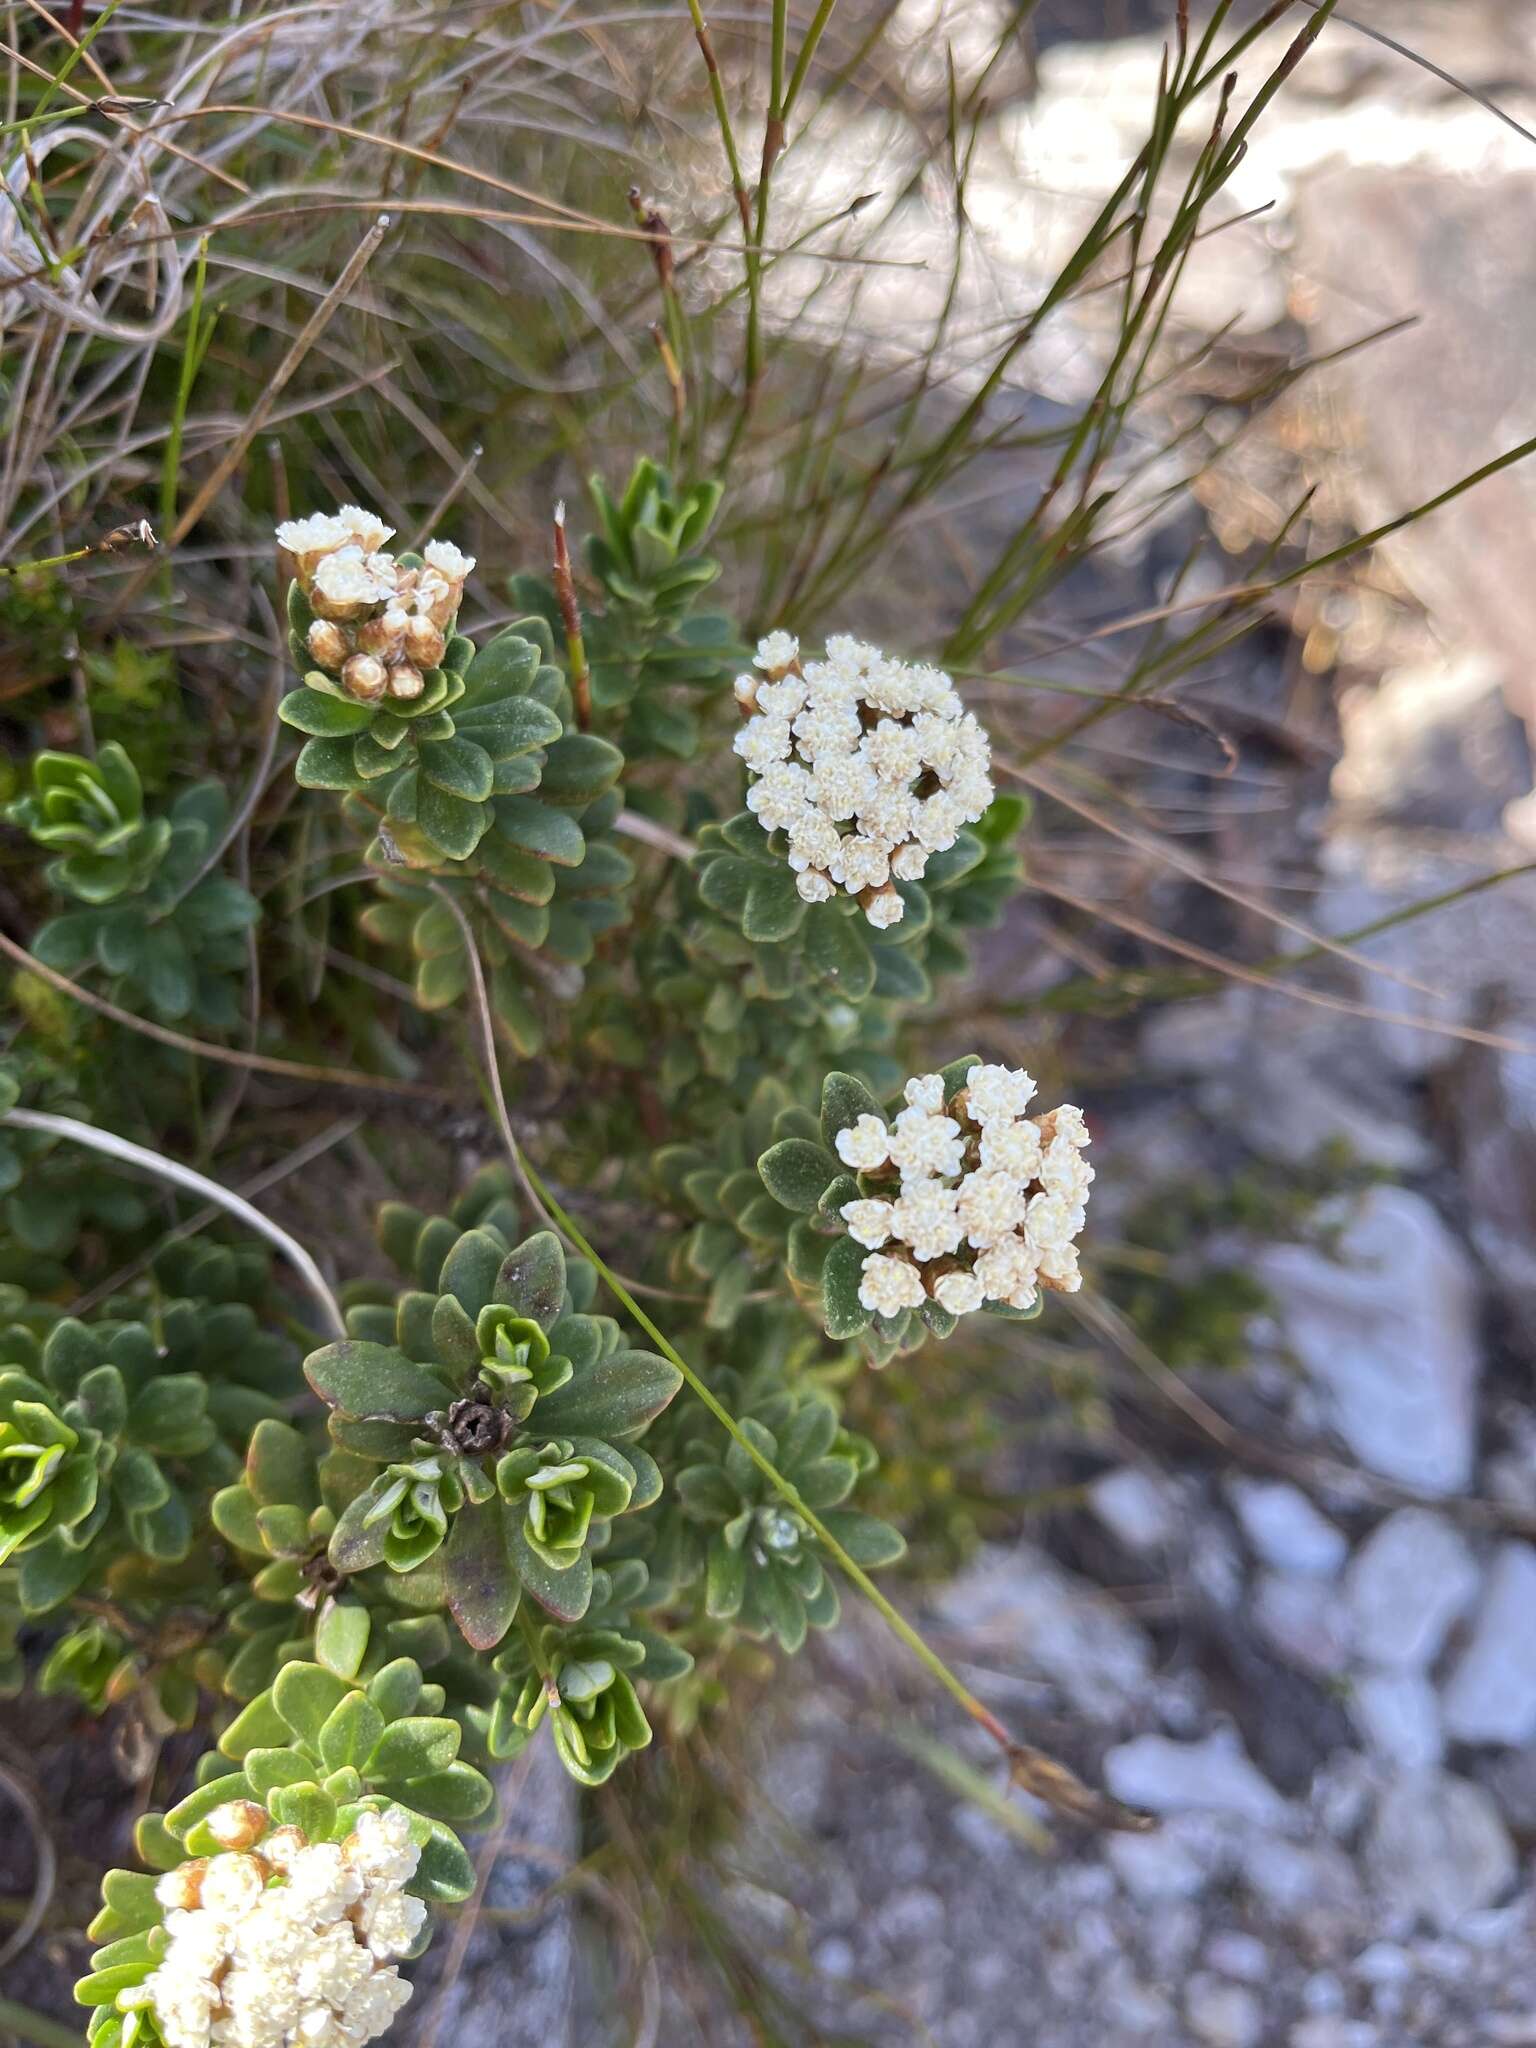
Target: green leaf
x=306 y=1695
x=532 y=1279
x=341 y=1638
x=566 y=1594
x=836 y=949
x=774 y=908
x=844 y=1099
x=507 y=662
x=453 y=824
x=539 y=829
x=578 y=768
x=373 y=1380
x=458 y=1794
x=796 y=1173
x=483 y=1587
x=324 y=717
x=327 y=764
x=413 y=1747
x=459 y=766
x=445 y=1873
x=868 y=1542
x=472 y=1269
x=614 y=1398
x=350 y=1733
x=845 y=1315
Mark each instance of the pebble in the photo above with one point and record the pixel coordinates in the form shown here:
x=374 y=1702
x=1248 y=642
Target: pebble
x=1214 y=1775
x=1438 y=1849
x=1238 y=1955
x=1389 y=1330
x=1329 y=2030
x=1399 y=1715
x=1405 y=1585
x=1490 y=1695
x=1223 y=2014
x=1137 y=1510
x=1305 y=1620
x=1284 y=1529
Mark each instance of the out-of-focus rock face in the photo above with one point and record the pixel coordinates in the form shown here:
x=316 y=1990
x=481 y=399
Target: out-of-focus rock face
x=1389 y=1332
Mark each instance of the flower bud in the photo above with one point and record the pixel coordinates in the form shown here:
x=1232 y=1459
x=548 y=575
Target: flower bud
x=364 y=678
x=424 y=643
x=282 y=1845
x=181 y=1889
x=382 y=635
x=406 y=681
x=327 y=643
x=238 y=1825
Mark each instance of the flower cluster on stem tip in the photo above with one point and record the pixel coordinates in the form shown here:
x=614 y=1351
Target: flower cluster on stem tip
x=985 y=1203
x=379 y=625
x=283 y=1943
x=870 y=765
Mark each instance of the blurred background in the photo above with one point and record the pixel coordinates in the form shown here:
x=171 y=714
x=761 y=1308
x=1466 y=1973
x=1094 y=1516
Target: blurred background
x=1247 y=1530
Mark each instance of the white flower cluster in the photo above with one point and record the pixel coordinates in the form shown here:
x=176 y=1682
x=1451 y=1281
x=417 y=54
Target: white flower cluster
x=868 y=763
x=379 y=626
x=990 y=1200
x=282 y=1943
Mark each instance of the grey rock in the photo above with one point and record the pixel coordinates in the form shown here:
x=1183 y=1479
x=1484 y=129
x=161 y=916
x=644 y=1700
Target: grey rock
x=1305 y=1619
x=1285 y=1530
x=1398 y=1714
x=1137 y=1509
x=1212 y=1776
x=1490 y=1695
x=1157 y=1866
x=1434 y=745
x=1332 y=2030
x=1240 y=1956
x=1384 y=1962
x=1405 y=1585
x=1437 y=1848
x=1491 y=1108
x=537 y=1952
x=1391 y=1334
x=1299 y=1881
x=1221 y=2013
x=1018 y=1609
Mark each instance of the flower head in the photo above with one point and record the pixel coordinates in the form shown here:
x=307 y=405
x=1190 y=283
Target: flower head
x=991 y=1201
x=289 y=1944
x=374 y=616
x=900 y=766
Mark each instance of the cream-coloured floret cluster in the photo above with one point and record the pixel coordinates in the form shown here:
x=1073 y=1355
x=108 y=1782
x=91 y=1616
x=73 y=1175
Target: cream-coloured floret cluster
x=869 y=764
x=282 y=1943
x=379 y=626
x=989 y=1203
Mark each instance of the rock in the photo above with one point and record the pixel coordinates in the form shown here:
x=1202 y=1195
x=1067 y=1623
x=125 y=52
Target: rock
x=1157 y=1866
x=1399 y=1716
x=1285 y=1530
x=1299 y=1881
x=1437 y=1848
x=1332 y=2030
x=529 y=1936
x=1390 y=1332
x=1238 y=1955
x=1490 y=1695
x=1405 y=1585
x=1301 y=1107
x=1139 y=1511
x=1019 y=1608
x=1223 y=2014
x=1213 y=1776
x=1433 y=745
x=1306 y=1620
x=1384 y=1962
x=1490 y=1104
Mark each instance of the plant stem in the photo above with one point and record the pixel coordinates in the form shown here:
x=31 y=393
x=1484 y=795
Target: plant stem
x=570 y=613
x=172 y=1170
x=1028 y=1767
